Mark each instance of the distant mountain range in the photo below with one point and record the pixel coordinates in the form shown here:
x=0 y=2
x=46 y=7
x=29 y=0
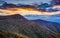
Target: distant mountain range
x=50 y=25
x=51 y=18
x=39 y=16
x=18 y=24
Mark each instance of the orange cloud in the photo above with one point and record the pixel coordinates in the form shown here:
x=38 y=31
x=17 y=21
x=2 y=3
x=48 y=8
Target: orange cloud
x=24 y=11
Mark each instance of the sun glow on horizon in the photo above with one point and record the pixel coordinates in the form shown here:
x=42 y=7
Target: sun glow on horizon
x=24 y=11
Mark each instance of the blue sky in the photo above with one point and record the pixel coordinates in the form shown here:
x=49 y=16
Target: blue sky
x=52 y=18
x=27 y=1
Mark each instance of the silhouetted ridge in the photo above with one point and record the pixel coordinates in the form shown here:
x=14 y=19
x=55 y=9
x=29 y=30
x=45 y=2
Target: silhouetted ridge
x=18 y=24
x=16 y=16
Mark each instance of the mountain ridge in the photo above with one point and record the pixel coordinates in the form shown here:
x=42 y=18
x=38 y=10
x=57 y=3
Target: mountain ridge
x=26 y=27
x=50 y=25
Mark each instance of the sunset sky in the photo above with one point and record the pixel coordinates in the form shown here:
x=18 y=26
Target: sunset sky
x=32 y=11
x=25 y=11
